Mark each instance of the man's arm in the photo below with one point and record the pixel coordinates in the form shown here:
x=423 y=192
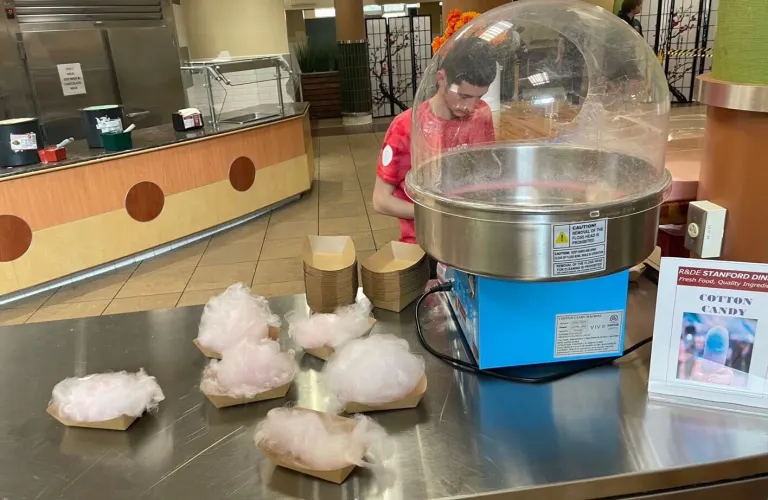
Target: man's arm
x=385 y=202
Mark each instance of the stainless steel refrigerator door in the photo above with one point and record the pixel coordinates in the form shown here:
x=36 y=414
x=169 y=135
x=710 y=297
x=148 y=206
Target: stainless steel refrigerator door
x=45 y=51
x=147 y=70
x=15 y=93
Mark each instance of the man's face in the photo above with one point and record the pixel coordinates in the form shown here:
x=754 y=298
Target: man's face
x=638 y=9
x=460 y=98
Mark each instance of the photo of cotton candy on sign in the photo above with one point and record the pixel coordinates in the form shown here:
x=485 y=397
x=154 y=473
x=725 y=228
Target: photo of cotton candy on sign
x=321 y=442
x=330 y=330
x=233 y=315
x=375 y=370
x=105 y=396
x=248 y=368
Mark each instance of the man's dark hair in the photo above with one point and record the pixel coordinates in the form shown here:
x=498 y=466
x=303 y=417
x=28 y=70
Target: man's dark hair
x=628 y=6
x=470 y=60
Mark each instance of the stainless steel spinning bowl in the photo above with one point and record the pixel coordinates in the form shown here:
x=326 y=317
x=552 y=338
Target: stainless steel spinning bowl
x=492 y=211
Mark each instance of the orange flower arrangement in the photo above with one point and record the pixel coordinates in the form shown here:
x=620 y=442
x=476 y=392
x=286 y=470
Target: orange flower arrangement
x=456 y=20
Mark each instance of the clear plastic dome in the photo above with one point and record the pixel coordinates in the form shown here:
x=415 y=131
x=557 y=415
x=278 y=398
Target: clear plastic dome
x=541 y=105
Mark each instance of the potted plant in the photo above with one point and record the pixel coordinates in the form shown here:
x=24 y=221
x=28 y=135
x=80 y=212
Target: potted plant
x=320 y=83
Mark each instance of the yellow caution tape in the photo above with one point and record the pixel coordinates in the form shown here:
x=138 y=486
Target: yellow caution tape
x=687 y=52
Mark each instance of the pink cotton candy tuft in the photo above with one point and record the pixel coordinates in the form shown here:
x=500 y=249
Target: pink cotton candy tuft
x=332 y=330
x=249 y=368
x=319 y=443
x=233 y=315
x=375 y=370
x=104 y=396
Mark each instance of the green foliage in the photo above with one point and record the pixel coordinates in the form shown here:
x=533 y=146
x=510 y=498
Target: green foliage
x=314 y=58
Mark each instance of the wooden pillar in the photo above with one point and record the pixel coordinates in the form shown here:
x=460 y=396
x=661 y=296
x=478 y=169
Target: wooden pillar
x=733 y=172
x=733 y=175
x=470 y=5
x=432 y=9
x=350 y=22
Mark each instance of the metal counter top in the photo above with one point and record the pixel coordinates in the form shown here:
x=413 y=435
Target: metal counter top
x=149 y=138
x=592 y=435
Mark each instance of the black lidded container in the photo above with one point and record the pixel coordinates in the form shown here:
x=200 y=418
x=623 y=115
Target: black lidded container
x=20 y=138
x=99 y=119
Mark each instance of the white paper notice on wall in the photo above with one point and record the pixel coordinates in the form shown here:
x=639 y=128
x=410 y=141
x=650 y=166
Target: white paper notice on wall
x=71 y=77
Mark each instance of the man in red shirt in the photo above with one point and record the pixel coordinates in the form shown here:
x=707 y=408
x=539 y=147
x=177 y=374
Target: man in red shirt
x=453 y=118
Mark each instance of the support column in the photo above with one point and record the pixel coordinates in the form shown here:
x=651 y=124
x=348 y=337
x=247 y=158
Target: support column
x=432 y=9
x=470 y=5
x=353 y=62
x=733 y=172
x=243 y=28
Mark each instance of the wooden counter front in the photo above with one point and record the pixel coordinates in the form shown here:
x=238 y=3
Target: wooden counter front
x=66 y=220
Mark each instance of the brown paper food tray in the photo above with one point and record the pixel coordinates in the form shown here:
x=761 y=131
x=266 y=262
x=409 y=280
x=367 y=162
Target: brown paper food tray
x=654 y=260
x=220 y=401
x=328 y=253
x=636 y=271
x=326 y=352
x=337 y=476
x=330 y=275
x=396 y=305
x=373 y=287
x=273 y=333
x=410 y=401
x=329 y=304
x=393 y=257
x=115 y=424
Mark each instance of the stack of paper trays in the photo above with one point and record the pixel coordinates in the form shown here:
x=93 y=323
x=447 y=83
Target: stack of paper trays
x=330 y=272
x=395 y=276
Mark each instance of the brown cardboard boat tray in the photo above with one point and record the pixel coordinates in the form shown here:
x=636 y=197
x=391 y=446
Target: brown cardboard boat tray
x=409 y=401
x=330 y=272
x=115 y=424
x=337 y=476
x=221 y=401
x=395 y=276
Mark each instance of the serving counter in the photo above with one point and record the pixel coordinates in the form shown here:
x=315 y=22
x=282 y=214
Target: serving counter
x=95 y=208
x=593 y=435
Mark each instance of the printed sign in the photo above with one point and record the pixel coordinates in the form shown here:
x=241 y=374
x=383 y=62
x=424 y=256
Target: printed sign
x=23 y=142
x=107 y=125
x=588 y=333
x=192 y=121
x=71 y=77
x=707 y=343
x=579 y=248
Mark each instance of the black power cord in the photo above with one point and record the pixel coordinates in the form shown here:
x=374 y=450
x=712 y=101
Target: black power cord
x=473 y=368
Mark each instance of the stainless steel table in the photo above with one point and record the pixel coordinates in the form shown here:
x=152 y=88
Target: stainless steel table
x=594 y=435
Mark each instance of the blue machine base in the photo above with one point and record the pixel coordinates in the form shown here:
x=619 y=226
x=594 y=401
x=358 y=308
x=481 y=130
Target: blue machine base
x=514 y=323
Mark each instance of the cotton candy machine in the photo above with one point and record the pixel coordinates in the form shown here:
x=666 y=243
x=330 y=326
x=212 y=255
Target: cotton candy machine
x=543 y=197
x=521 y=211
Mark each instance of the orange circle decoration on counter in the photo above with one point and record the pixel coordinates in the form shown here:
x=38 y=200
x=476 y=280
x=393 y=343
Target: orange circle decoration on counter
x=15 y=237
x=242 y=173
x=144 y=201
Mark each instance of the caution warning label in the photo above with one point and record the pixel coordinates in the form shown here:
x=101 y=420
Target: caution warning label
x=579 y=248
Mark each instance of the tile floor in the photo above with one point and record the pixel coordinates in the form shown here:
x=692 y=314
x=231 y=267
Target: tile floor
x=264 y=253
